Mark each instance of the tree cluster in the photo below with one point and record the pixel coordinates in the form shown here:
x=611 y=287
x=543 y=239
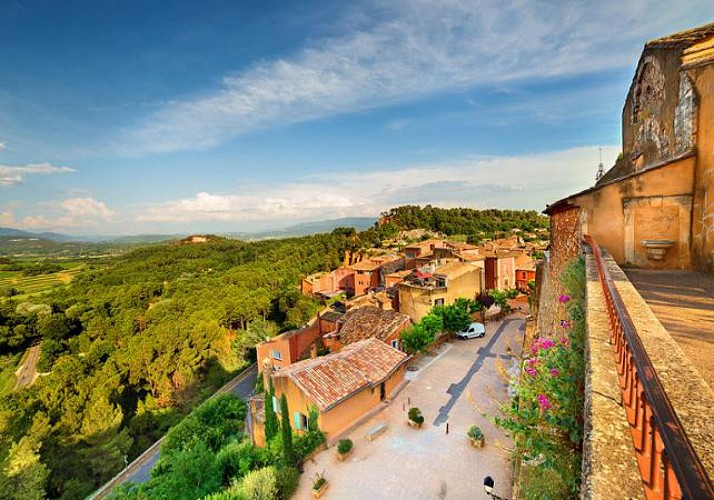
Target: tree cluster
x=130 y=347
x=477 y=225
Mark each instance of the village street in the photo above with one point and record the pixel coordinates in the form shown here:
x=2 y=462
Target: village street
x=465 y=379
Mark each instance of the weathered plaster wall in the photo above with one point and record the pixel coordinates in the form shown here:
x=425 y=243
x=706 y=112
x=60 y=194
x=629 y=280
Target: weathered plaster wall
x=654 y=204
x=650 y=108
x=703 y=211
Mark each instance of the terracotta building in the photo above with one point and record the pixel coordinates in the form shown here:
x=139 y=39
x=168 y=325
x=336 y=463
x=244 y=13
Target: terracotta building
x=652 y=209
x=366 y=276
x=500 y=269
x=341 y=279
x=342 y=386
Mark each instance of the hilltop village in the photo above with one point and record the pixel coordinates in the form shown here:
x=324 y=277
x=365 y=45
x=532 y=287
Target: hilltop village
x=355 y=341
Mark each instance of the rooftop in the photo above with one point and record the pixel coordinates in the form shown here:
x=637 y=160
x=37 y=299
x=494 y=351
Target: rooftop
x=330 y=379
x=365 y=265
x=370 y=322
x=683 y=39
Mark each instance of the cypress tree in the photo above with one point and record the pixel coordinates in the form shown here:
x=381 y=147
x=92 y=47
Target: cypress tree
x=287 y=432
x=271 y=419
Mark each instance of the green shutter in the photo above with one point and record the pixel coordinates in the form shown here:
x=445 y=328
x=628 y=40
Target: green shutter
x=297 y=420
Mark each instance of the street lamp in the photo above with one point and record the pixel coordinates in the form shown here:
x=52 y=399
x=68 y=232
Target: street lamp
x=488 y=484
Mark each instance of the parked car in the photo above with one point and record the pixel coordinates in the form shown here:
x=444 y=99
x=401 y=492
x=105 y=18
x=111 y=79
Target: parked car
x=474 y=331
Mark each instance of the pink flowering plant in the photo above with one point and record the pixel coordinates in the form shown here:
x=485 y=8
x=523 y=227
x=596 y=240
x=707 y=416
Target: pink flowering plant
x=546 y=417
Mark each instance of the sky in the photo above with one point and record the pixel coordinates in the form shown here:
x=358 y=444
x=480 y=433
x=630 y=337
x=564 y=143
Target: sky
x=140 y=116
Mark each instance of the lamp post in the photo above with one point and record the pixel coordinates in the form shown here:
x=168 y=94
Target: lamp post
x=488 y=484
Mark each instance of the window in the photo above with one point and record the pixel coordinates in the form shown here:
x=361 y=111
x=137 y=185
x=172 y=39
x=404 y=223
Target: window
x=275 y=354
x=439 y=302
x=276 y=406
x=301 y=421
x=395 y=344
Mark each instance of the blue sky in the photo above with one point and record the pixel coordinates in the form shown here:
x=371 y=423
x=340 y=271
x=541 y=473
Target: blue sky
x=144 y=116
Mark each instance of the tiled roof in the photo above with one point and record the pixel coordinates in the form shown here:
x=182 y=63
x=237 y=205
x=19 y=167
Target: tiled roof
x=365 y=265
x=454 y=269
x=333 y=316
x=328 y=380
x=683 y=38
x=370 y=322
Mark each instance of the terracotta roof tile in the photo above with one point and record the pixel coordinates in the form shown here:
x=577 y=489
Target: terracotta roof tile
x=370 y=322
x=330 y=379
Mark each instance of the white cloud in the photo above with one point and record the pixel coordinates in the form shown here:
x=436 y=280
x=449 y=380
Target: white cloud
x=7 y=218
x=85 y=212
x=413 y=48
x=2 y=146
x=86 y=207
x=10 y=174
x=528 y=181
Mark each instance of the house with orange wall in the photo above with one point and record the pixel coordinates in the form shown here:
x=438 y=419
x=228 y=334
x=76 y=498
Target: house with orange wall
x=341 y=387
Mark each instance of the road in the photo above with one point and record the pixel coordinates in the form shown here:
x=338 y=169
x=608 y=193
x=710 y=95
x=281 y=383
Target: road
x=27 y=373
x=139 y=471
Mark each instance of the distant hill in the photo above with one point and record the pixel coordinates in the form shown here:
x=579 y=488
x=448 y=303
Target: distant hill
x=19 y=233
x=307 y=228
x=302 y=229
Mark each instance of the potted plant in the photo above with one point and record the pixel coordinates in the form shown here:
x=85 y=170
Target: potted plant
x=344 y=449
x=476 y=436
x=319 y=485
x=416 y=419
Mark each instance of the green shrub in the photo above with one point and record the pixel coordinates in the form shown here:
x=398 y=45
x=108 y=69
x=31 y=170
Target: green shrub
x=416 y=416
x=344 y=446
x=260 y=484
x=287 y=480
x=319 y=481
x=475 y=432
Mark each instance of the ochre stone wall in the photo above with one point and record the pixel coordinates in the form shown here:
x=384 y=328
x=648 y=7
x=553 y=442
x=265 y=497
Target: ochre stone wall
x=703 y=210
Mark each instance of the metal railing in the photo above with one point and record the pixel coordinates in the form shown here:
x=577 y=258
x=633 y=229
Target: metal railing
x=668 y=464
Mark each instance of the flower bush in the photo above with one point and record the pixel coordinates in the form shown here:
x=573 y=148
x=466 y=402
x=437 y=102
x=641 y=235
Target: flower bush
x=546 y=419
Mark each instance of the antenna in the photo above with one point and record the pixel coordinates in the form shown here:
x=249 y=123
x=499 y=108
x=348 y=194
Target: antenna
x=600 y=168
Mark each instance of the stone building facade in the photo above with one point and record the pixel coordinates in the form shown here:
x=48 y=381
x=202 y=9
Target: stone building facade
x=653 y=208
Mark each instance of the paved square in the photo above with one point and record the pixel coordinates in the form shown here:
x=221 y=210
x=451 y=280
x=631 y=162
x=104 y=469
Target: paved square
x=456 y=386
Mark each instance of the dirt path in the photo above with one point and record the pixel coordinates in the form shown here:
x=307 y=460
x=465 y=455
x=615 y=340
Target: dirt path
x=27 y=372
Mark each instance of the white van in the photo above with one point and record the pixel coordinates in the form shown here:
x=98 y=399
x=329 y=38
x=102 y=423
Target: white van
x=474 y=331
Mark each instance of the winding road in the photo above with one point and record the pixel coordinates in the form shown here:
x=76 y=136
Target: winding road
x=139 y=471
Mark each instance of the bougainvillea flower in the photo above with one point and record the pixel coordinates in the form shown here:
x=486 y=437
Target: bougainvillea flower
x=564 y=298
x=542 y=343
x=554 y=372
x=531 y=371
x=543 y=402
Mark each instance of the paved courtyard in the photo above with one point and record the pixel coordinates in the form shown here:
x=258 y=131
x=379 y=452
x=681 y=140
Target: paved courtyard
x=463 y=380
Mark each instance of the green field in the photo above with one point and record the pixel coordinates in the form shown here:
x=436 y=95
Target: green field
x=41 y=283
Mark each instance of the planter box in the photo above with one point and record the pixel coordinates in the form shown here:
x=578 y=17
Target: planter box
x=341 y=457
x=321 y=491
x=478 y=443
x=413 y=424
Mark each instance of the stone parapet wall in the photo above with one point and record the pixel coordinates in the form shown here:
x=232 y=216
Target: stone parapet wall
x=690 y=395
x=609 y=463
